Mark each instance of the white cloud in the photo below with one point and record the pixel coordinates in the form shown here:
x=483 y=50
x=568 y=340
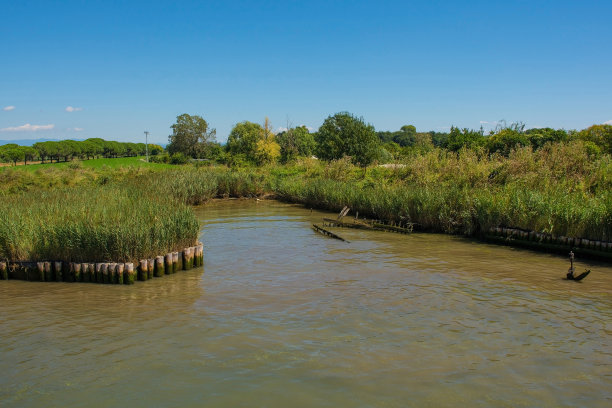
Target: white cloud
x=608 y=122
x=8 y=108
x=73 y=109
x=78 y=129
x=27 y=128
x=281 y=129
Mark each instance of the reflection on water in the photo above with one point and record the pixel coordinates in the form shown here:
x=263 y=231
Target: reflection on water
x=284 y=316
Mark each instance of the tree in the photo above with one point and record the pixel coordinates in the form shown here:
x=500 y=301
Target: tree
x=29 y=153
x=539 y=137
x=346 y=135
x=267 y=150
x=243 y=139
x=470 y=139
x=295 y=142
x=601 y=135
x=190 y=136
x=13 y=154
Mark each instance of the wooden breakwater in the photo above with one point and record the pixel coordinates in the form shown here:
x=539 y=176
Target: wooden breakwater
x=369 y=225
x=104 y=272
x=327 y=233
x=583 y=247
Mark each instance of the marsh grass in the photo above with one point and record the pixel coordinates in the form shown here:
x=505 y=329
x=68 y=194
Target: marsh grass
x=122 y=214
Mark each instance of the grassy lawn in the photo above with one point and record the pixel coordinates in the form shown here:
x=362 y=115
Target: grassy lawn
x=95 y=164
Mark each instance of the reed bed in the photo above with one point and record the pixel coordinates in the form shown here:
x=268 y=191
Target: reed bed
x=93 y=224
x=126 y=215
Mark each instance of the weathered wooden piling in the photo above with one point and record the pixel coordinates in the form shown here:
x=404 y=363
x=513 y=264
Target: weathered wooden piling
x=186 y=258
x=130 y=274
x=104 y=271
x=3 y=271
x=175 y=258
x=40 y=269
x=119 y=271
x=143 y=270
x=179 y=261
x=150 y=268
x=159 y=267
x=200 y=254
x=48 y=271
x=98 y=272
x=76 y=272
x=57 y=271
x=168 y=263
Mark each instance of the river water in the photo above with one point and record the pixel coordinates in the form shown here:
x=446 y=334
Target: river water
x=282 y=316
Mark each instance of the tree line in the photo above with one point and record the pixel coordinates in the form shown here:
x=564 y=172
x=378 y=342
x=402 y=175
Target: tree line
x=346 y=135
x=66 y=150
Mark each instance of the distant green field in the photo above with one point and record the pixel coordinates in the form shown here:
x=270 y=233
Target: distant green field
x=97 y=164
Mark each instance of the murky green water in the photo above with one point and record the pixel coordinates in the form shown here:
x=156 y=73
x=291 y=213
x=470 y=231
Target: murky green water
x=283 y=317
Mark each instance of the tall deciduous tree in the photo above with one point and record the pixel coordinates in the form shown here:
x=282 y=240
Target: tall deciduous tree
x=191 y=136
x=346 y=135
x=243 y=139
x=295 y=142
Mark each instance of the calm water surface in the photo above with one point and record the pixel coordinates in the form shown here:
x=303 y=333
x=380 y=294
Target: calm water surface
x=282 y=316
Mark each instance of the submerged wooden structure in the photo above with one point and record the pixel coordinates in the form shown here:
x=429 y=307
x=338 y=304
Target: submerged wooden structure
x=325 y=232
x=585 y=248
x=104 y=272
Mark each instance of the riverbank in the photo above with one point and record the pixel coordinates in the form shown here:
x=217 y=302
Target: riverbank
x=557 y=199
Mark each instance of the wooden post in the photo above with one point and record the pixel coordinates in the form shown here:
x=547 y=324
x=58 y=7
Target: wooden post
x=91 y=271
x=99 y=276
x=119 y=273
x=179 y=261
x=175 y=262
x=185 y=258
x=110 y=269
x=76 y=270
x=159 y=267
x=143 y=270
x=200 y=254
x=57 y=270
x=150 y=268
x=48 y=272
x=85 y=273
x=104 y=270
x=40 y=268
x=130 y=274
x=3 y=271
x=168 y=263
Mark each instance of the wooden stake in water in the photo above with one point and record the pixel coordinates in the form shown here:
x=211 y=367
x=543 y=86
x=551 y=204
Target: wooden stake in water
x=143 y=270
x=168 y=263
x=130 y=274
x=175 y=262
x=159 y=266
x=150 y=268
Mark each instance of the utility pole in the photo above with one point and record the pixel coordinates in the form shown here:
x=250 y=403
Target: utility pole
x=147 y=144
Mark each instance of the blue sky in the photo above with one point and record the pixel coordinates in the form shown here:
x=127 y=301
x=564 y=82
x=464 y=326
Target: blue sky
x=112 y=69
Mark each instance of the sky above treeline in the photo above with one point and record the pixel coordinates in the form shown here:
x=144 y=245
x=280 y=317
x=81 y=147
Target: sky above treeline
x=113 y=69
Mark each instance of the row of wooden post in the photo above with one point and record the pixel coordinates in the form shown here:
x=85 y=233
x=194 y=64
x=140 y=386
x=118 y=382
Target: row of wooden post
x=105 y=272
x=552 y=239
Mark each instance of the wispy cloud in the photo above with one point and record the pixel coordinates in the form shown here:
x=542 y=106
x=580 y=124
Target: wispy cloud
x=78 y=129
x=27 y=128
x=608 y=122
x=73 y=109
x=8 y=108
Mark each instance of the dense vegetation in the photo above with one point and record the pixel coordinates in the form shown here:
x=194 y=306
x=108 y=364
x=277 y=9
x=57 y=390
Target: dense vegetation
x=552 y=181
